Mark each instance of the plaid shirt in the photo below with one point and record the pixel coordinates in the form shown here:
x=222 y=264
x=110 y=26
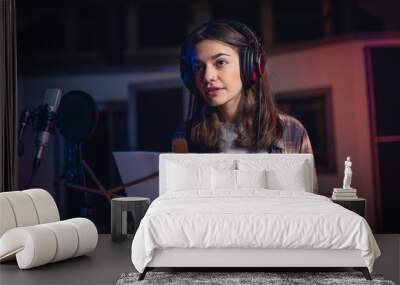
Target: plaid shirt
x=294 y=140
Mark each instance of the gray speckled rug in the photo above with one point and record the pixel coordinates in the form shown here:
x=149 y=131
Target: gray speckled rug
x=230 y=278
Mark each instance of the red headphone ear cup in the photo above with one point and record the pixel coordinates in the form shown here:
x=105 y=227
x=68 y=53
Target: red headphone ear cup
x=254 y=76
x=259 y=68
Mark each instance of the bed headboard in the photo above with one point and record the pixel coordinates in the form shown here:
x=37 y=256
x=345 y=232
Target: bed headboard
x=281 y=163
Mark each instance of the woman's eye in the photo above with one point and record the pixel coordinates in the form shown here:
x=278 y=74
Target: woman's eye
x=221 y=62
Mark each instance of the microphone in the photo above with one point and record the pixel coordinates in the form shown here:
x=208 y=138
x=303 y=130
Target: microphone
x=24 y=120
x=46 y=123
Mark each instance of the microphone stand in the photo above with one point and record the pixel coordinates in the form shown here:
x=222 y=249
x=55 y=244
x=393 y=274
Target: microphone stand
x=73 y=175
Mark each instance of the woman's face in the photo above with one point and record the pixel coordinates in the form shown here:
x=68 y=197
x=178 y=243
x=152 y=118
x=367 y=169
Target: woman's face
x=217 y=73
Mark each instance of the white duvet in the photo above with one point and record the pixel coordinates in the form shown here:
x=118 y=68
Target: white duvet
x=250 y=219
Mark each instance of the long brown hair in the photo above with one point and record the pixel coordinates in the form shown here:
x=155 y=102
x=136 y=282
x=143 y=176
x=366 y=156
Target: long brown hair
x=203 y=121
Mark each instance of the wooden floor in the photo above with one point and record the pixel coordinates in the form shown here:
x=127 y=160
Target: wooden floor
x=111 y=259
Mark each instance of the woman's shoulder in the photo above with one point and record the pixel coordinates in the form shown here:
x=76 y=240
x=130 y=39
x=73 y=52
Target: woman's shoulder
x=290 y=123
x=294 y=134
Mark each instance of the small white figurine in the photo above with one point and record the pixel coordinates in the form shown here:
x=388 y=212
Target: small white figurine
x=347 y=174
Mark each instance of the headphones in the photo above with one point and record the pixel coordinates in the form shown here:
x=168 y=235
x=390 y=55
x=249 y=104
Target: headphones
x=251 y=58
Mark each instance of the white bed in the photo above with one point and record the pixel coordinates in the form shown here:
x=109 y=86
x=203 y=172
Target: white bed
x=247 y=210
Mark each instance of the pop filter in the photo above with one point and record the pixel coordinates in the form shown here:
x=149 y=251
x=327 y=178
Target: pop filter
x=77 y=116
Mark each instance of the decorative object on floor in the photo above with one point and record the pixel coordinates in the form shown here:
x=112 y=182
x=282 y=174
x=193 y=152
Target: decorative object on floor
x=242 y=278
x=119 y=208
x=32 y=233
x=347 y=192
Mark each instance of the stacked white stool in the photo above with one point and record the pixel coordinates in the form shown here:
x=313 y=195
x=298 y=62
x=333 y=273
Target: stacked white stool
x=31 y=230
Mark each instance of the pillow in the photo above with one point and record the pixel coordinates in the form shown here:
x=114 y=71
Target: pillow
x=280 y=174
x=181 y=177
x=251 y=178
x=236 y=179
x=223 y=179
x=290 y=179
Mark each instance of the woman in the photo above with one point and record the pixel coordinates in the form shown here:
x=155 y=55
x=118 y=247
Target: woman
x=231 y=107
